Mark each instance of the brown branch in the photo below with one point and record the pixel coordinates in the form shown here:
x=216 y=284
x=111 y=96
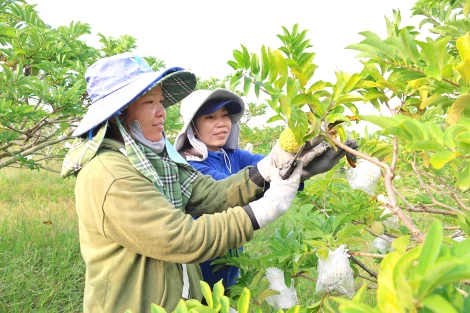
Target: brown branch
x=430 y=194
x=303 y=276
x=32 y=150
x=366 y=278
x=393 y=165
x=456 y=234
x=388 y=177
x=411 y=208
x=451 y=228
x=372 y=255
x=454 y=195
x=16 y=130
x=365 y=268
x=25 y=120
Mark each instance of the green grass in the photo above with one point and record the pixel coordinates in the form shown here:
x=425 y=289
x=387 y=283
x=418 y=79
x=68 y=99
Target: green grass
x=41 y=269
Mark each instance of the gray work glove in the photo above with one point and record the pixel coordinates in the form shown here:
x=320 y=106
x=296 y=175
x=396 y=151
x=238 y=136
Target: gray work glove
x=278 y=198
x=327 y=160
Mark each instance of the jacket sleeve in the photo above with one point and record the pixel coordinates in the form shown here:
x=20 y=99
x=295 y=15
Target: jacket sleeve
x=137 y=216
x=209 y=196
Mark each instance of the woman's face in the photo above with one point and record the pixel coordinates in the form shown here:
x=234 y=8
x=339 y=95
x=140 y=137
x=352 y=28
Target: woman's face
x=213 y=129
x=148 y=110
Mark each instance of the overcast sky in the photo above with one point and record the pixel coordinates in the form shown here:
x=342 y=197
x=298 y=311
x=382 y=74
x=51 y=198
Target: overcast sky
x=201 y=35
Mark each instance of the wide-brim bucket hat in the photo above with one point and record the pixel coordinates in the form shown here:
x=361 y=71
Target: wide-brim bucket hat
x=191 y=105
x=115 y=82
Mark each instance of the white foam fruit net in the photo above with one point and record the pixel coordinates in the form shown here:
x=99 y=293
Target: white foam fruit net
x=335 y=273
x=382 y=245
x=287 y=297
x=364 y=176
x=392 y=221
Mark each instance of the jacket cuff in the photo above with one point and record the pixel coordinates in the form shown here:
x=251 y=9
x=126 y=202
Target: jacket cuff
x=256 y=177
x=252 y=217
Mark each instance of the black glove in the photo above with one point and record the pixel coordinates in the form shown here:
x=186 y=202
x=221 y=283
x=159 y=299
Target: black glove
x=327 y=160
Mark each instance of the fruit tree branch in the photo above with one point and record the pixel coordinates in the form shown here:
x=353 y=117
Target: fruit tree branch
x=388 y=177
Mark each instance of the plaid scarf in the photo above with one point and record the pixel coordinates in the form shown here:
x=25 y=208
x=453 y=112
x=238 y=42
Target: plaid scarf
x=173 y=179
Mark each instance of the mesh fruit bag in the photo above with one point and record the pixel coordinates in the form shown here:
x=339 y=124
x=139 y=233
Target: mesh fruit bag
x=287 y=296
x=335 y=273
x=364 y=176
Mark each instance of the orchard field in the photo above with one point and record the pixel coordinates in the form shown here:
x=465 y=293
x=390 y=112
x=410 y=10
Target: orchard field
x=387 y=234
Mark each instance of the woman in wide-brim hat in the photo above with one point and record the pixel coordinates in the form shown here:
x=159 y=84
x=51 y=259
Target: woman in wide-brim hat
x=135 y=194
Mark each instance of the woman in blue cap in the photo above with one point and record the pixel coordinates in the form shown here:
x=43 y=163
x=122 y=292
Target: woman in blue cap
x=135 y=195
x=209 y=142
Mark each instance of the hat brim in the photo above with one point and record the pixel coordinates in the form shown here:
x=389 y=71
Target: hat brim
x=176 y=85
x=213 y=105
x=194 y=102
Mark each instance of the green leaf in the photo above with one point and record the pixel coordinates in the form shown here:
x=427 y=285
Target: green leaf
x=207 y=293
x=348 y=231
x=246 y=57
x=181 y=307
x=233 y=64
x=285 y=106
x=348 y=99
x=254 y=64
x=433 y=71
x=294 y=309
x=437 y=304
x=430 y=250
x=224 y=304
x=265 y=294
x=457 y=108
x=235 y=80
x=466 y=8
x=361 y=294
x=265 y=63
x=157 y=309
x=439 y=159
x=244 y=301
x=427 y=145
x=451 y=133
x=463 y=45
x=463 y=179
x=399 y=131
x=246 y=85
x=217 y=294
x=444 y=272
x=283 y=69
x=292 y=88
x=400 y=244
x=381 y=121
x=352 y=82
x=319 y=85
x=434 y=132
x=238 y=55
x=273 y=66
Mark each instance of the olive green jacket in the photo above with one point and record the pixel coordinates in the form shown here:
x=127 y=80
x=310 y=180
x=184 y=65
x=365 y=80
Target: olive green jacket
x=134 y=241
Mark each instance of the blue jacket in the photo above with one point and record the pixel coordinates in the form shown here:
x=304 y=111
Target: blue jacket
x=218 y=168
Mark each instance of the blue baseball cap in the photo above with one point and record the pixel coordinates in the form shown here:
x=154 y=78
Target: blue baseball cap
x=213 y=105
